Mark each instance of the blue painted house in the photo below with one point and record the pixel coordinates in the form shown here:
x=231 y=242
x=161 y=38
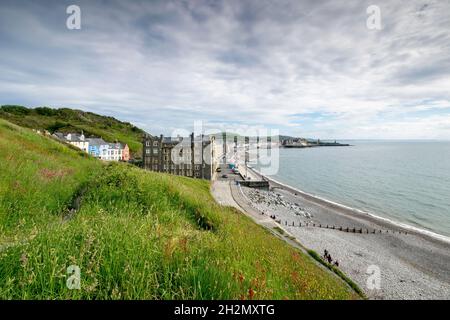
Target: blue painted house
x=95 y=146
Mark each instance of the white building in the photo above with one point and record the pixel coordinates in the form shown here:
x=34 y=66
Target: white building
x=111 y=152
x=78 y=140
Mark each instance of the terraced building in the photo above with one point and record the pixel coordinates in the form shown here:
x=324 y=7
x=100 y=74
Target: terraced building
x=184 y=156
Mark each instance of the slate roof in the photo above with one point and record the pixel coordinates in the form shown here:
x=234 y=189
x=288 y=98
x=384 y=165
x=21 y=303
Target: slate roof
x=175 y=140
x=59 y=135
x=116 y=145
x=75 y=137
x=96 y=141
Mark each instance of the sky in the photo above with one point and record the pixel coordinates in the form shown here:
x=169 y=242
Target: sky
x=304 y=68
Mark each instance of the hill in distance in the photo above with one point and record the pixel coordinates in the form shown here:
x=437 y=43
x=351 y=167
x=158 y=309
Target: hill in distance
x=70 y=120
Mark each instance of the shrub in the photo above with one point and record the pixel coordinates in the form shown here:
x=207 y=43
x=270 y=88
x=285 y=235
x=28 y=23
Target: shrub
x=56 y=126
x=17 y=110
x=45 y=111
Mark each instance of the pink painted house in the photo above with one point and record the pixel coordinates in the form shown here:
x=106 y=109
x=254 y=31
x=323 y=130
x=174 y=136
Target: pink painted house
x=125 y=153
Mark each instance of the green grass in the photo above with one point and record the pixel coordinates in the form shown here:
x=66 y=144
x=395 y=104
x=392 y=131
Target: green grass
x=38 y=178
x=279 y=230
x=338 y=272
x=137 y=235
x=69 y=120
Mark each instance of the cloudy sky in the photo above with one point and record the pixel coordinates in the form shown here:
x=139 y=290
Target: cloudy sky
x=306 y=68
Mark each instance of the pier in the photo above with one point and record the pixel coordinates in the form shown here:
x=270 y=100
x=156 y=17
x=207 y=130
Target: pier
x=312 y=145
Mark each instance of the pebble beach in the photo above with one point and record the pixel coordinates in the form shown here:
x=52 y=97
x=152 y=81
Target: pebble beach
x=410 y=264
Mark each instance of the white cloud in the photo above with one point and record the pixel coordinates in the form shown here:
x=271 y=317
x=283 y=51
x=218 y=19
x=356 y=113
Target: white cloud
x=164 y=64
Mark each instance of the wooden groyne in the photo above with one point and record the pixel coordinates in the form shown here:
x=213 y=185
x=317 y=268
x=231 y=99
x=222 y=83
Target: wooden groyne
x=337 y=228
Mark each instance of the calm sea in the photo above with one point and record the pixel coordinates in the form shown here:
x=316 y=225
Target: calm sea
x=403 y=181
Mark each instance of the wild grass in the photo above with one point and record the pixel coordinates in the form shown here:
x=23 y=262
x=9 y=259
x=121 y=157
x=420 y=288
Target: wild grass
x=338 y=272
x=38 y=177
x=137 y=235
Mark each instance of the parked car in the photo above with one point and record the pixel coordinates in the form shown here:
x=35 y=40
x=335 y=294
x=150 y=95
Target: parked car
x=224 y=176
x=236 y=171
x=218 y=170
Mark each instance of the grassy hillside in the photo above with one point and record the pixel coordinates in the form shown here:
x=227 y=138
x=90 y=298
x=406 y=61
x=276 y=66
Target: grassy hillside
x=69 y=120
x=136 y=235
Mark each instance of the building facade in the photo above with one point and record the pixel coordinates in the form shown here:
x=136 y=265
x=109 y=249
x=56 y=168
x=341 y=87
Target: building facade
x=78 y=140
x=114 y=152
x=184 y=156
x=97 y=147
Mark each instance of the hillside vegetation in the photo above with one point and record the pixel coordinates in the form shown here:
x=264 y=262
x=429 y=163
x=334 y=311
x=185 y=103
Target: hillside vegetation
x=69 y=120
x=136 y=235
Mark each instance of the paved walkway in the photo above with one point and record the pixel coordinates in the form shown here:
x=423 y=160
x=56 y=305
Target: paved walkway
x=248 y=173
x=249 y=210
x=222 y=194
x=228 y=193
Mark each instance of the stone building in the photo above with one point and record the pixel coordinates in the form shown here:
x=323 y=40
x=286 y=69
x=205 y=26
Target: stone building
x=184 y=156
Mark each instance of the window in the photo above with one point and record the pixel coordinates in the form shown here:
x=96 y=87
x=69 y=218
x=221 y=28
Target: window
x=147 y=151
x=147 y=143
x=155 y=143
x=155 y=151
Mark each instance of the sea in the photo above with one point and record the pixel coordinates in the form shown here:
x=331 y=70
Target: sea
x=406 y=182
